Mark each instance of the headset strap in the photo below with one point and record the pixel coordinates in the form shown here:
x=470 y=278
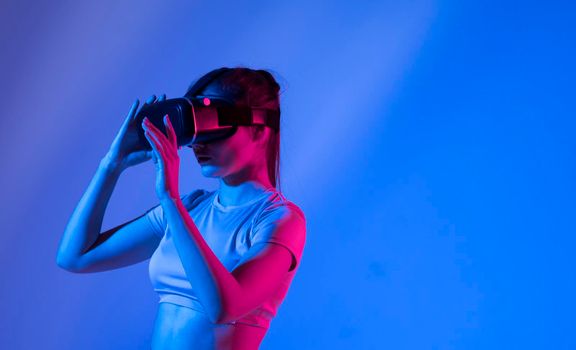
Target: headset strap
x=249 y=116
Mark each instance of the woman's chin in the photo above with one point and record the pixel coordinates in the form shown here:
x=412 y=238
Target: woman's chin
x=208 y=170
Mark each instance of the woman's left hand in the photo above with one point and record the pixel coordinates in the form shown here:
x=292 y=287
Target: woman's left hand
x=166 y=159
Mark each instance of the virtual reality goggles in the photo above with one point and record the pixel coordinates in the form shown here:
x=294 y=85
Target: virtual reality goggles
x=203 y=119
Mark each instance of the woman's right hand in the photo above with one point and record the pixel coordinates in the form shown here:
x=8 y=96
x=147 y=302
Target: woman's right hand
x=125 y=151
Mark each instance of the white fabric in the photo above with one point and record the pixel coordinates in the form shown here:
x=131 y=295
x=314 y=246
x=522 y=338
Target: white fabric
x=229 y=231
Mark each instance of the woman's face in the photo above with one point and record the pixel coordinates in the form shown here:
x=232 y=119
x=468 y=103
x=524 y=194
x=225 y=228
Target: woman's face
x=236 y=158
x=237 y=155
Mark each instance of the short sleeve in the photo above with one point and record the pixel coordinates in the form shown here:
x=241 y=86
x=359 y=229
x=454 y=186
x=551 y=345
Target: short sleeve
x=155 y=217
x=282 y=223
x=193 y=198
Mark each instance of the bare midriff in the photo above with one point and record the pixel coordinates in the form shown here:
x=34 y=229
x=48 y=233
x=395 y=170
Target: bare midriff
x=178 y=327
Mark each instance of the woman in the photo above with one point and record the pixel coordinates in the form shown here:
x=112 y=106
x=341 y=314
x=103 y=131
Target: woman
x=221 y=261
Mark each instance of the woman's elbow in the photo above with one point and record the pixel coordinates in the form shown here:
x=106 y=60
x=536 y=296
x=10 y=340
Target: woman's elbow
x=229 y=315
x=67 y=264
x=223 y=318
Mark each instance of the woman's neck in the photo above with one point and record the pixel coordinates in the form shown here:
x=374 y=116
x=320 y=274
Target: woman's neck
x=243 y=189
x=242 y=193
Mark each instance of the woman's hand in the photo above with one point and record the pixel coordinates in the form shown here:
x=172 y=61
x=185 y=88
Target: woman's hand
x=124 y=151
x=166 y=159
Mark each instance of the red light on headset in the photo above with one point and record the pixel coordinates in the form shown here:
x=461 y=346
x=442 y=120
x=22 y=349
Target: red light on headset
x=206 y=101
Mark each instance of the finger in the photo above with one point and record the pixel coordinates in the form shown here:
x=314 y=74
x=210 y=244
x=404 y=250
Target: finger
x=158 y=160
x=154 y=142
x=152 y=154
x=148 y=125
x=162 y=98
x=131 y=113
x=156 y=134
x=160 y=136
x=151 y=99
x=155 y=157
x=125 y=124
x=134 y=107
x=170 y=130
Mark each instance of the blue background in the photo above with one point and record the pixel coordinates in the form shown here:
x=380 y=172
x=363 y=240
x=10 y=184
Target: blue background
x=430 y=144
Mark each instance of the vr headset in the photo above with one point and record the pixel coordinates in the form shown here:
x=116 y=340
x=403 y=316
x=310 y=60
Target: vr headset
x=200 y=118
x=203 y=119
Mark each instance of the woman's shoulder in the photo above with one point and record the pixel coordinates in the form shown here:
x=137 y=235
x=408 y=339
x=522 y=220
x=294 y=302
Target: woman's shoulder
x=194 y=197
x=278 y=205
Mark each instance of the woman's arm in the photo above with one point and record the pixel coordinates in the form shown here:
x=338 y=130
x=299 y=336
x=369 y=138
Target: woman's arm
x=83 y=228
x=85 y=224
x=225 y=295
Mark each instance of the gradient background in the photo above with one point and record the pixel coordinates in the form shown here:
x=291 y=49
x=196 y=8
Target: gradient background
x=430 y=143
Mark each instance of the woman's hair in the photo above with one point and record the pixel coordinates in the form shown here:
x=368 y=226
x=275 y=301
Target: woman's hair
x=249 y=88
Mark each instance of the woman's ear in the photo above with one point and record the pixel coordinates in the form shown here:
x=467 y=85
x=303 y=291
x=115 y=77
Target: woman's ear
x=260 y=134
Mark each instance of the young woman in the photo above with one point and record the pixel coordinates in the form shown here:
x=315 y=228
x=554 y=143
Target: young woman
x=221 y=261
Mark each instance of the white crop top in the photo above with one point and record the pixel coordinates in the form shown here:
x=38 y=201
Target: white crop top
x=229 y=231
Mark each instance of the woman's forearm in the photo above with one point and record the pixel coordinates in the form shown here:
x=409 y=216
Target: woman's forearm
x=213 y=283
x=85 y=222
